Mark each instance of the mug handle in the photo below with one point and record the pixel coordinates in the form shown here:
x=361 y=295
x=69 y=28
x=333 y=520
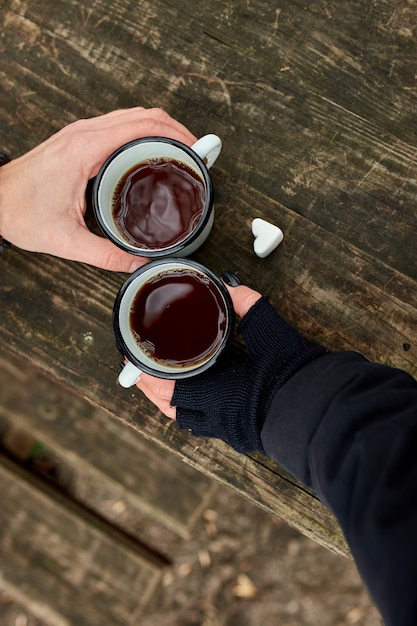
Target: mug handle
x=129 y=375
x=208 y=148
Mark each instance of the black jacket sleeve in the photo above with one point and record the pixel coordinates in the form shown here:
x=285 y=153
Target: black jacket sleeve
x=348 y=429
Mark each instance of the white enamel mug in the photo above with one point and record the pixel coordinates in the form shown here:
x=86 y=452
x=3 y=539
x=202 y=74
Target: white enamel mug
x=140 y=359
x=199 y=158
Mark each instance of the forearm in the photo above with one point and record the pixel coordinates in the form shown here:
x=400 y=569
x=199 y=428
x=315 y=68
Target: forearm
x=348 y=429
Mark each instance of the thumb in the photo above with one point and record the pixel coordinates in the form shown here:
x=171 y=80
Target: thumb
x=243 y=297
x=101 y=252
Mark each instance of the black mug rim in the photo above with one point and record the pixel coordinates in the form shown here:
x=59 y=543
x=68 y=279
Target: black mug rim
x=124 y=349
x=168 y=250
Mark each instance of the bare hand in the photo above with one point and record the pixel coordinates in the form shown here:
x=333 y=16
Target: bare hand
x=42 y=193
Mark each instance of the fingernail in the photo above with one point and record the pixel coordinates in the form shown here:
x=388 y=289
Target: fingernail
x=231 y=279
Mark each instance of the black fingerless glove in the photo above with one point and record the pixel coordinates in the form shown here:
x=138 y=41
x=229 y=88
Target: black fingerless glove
x=231 y=404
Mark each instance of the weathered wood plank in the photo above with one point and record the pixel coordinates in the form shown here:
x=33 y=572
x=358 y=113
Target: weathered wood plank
x=316 y=106
x=99 y=450
x=12 y=611
x=52 y=327
x=50 y=550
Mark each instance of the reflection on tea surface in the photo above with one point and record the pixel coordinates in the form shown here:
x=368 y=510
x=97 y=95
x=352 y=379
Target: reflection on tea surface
x=158 y=203
x=178 y=318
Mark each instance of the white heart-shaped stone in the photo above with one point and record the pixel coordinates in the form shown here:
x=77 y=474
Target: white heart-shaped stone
x=267 y=237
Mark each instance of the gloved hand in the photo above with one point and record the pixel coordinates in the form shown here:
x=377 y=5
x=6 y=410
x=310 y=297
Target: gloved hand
x=231 y=403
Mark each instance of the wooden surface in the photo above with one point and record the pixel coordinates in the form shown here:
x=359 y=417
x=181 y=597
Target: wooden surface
x=62 y=564
x=87 y=510
x=315 y=103
x=99 y=460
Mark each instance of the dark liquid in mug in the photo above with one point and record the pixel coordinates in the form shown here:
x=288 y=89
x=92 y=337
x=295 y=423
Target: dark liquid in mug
x=158 y=203
x=178 y=318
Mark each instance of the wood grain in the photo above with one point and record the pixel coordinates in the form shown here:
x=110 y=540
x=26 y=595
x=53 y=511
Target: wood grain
x=102 y=460
x=91 y=370
x=79 y=574
x=315 y=103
